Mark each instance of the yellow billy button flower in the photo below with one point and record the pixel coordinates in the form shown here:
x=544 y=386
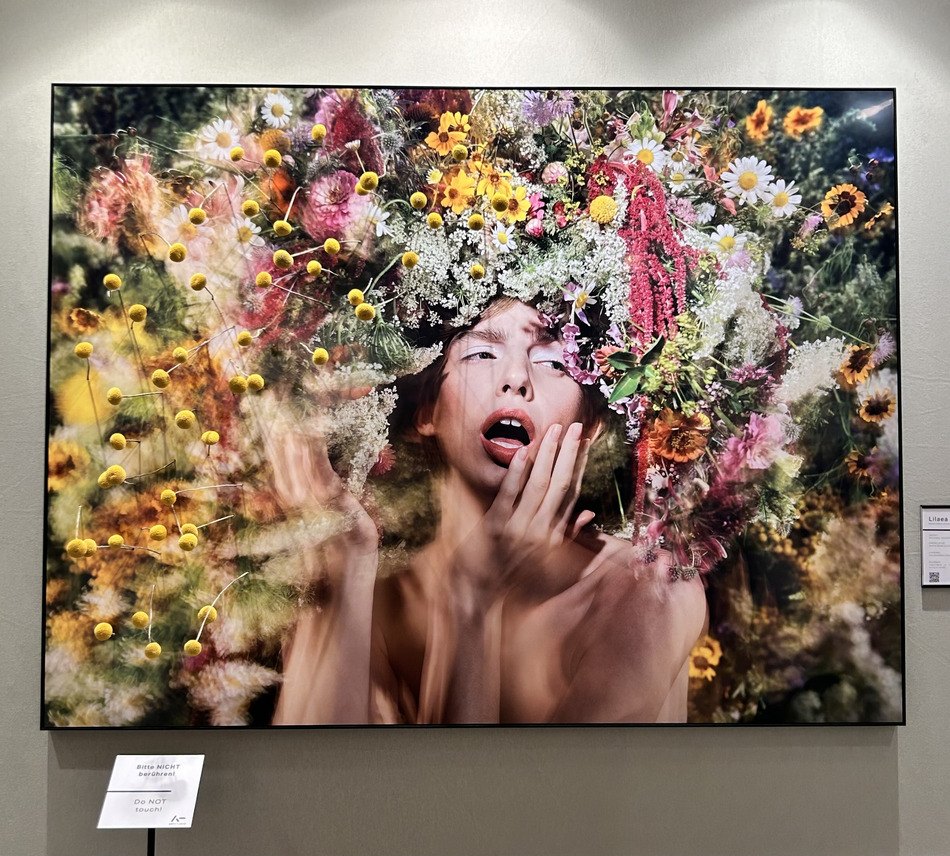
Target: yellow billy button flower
x=189 y=529
x=114 y=395
x=115 y=541
x=272 y=158
x=83 y=350
x=153 y=651
x=140 y=620
x=365 y=312
x=603 y=209
x=244 y=338
x=112 y=281
x=263 y=279
x=236 y=154
x=101 y=481
x=459 y=152
x=283 y=228
x=283 y=259
x=114 y=475
x=476 y=222
x=137 y=312
x=160 y=378
x=359 y=190
x=169 y=497
x=209 y=438
x=103 y=631
x=180 y=355
x=192 y=648
x=434 y=220
x=238 y=384
x=369 y=180
x=331 y=246
x=177 y=252
x=197 y=216
x=249 y=208
x=188 y=542
x=210 y=611
x=355 y=297
x=410 y=259
x=418 y=200
x=75 y=548
x=499 y=203
x=477 y=271
x=314 y=268
x=184 y=419
x=158 y=532
x=321 y=356
x=318 y=132
x=255 y=382
x=198 y=281
x=91 y=546
x=117 y=441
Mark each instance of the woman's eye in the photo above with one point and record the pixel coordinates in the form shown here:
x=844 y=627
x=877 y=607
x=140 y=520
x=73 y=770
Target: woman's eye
x=557 y=365
x=479 y=355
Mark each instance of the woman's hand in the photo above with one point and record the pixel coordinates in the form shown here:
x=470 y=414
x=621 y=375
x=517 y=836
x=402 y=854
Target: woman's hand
x=531 y=516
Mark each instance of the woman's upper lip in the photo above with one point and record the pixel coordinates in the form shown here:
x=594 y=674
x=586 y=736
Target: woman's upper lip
x=510 y=413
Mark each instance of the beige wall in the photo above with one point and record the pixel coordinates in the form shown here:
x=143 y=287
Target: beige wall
x=641 y=791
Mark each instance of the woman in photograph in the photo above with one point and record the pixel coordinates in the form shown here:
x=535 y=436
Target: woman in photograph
x=517 y=610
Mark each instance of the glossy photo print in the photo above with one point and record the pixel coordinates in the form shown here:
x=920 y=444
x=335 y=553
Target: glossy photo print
x=472 y=406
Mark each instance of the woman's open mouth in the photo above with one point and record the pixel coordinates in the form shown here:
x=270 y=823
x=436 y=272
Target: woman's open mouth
x=504 y=432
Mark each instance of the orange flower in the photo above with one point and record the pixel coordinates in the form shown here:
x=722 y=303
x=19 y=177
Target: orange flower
x=878 y=407
x=458 y=195
x=678 y=437
x=842 y=205
x=856 y=368
x=758 y=124
x=444 y=140
x=800 y=120
x=67 y=462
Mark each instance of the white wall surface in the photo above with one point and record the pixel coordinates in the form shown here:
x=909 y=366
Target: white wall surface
x=748 y=792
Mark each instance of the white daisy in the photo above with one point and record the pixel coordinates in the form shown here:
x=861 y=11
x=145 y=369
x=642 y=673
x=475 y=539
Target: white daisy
x=503 y=237
x=649 y=152
x=725 y=240
x=783 y=198
x=679 y=176
x=748 y=179
x=276 y=110
x=177 y=227
x=217 y=138
x=704 y=212
x=247 y=234
x=377 y=217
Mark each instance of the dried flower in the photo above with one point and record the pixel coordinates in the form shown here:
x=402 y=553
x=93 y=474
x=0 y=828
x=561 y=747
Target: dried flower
x=103 y=631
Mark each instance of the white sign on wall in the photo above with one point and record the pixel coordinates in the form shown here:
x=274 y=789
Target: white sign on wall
x=152 y=792
x=935 y=545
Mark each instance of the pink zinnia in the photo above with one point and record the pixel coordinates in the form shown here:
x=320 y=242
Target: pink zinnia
x=332 y=207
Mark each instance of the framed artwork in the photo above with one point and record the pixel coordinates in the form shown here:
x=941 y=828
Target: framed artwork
x=439 y=406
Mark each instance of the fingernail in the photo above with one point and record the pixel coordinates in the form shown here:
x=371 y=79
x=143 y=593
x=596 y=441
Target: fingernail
x=576 y=429
x=555 y=431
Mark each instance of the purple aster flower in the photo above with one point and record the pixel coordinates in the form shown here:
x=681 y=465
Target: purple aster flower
x=542 y=108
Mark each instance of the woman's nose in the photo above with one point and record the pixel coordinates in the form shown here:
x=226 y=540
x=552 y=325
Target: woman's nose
x=515 y=379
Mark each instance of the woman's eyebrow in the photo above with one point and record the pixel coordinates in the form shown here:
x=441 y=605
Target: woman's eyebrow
x=539 y=335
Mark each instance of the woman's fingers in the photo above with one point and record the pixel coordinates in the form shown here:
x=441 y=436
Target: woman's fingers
x=511 y=485
x=560 y=494
x=539 y=479
x=566 y=510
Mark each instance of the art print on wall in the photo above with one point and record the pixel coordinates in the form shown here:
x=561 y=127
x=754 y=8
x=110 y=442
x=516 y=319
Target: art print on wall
x=435 y=406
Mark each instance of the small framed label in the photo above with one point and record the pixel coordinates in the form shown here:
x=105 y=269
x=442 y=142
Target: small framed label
x=152 y=792
x=935 y=545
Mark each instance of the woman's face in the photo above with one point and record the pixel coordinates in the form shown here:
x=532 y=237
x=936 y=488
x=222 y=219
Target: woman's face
x=503 y=387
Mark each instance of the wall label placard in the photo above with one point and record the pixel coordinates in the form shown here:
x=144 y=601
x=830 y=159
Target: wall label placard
x=935 y=545
x=152 y=792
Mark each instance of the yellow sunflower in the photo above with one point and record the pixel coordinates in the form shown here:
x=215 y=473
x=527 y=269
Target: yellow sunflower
x=842 y=205
x=492 y=182
x=444 y=140
x=459 y=193
x=856 y=368
x=518 y=206
x=704 y=658
x=878 y=407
